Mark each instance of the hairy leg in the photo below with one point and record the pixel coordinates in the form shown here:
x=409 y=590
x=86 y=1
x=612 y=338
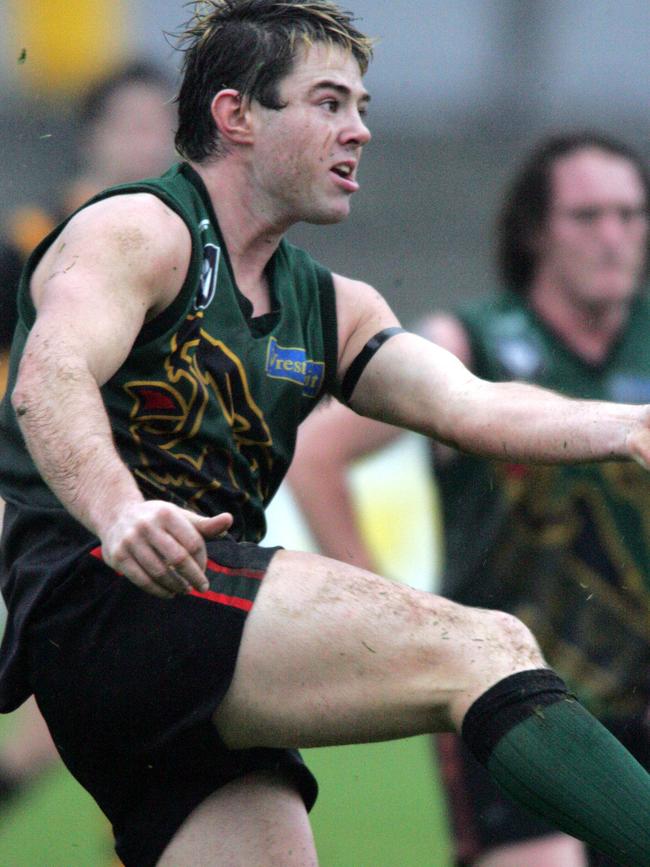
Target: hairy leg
x=256 y=821
x=334 y=654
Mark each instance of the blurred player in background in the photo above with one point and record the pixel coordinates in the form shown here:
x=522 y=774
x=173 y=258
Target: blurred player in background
x=567 y=549
x=125 y=129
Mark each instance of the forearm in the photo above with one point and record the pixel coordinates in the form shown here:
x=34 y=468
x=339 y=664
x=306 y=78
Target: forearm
x=521 y=422
x=63 y=420
x=414 y=384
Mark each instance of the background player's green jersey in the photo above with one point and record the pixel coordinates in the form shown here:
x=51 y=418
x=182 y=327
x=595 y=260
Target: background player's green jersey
x=566 y=548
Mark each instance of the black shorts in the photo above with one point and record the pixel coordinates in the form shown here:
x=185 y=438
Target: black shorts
x=128 y=684
x=483 y=817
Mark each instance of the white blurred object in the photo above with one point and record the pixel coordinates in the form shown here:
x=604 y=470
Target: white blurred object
x=397 y=508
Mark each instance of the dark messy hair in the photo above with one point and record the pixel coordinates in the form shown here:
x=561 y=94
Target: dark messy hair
x=527 y=202
x=250 y=46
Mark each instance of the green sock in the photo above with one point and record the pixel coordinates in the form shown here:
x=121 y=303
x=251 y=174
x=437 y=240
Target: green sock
x=553 y=757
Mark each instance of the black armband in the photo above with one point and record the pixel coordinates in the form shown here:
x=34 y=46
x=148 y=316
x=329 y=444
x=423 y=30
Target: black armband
x=357 y=367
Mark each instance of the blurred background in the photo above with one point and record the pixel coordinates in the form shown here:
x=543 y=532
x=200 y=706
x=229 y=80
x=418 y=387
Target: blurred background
x=461 y=89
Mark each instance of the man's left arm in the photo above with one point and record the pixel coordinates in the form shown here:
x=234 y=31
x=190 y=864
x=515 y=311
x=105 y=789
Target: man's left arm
x=412 y=383
x=415 y=384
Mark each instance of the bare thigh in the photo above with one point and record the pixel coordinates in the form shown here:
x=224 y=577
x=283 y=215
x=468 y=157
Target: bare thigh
x=255 y=821
x=333 y=654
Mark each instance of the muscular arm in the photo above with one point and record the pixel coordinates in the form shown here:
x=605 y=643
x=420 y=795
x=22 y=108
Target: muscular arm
x=415 y=384
x=116 y=264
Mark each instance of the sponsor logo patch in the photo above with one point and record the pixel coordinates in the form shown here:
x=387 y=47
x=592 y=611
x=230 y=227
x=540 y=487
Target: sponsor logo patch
x=291 y=363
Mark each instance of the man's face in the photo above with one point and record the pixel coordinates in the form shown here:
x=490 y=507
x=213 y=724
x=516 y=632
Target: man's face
x=593 y=245
x=305 y=156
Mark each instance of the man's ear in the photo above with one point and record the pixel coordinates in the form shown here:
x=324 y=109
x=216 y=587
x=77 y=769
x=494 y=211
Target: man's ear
x=232 y=116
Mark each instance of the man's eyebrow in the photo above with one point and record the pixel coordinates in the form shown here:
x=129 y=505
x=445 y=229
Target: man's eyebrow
x=343 y=89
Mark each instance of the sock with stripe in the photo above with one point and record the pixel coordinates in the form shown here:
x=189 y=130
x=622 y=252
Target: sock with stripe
x=554 y=758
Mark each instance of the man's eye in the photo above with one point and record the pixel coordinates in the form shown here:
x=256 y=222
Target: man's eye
x=331 y=104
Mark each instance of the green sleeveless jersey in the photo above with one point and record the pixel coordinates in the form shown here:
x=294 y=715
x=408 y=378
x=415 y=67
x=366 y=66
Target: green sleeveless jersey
x=566 y=548
x=205 y=408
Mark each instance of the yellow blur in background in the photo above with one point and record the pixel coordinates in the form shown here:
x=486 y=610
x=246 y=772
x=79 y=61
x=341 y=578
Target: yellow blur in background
x=60 y=45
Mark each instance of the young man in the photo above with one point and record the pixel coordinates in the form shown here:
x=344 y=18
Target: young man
x=171 y=341
x=565 y=548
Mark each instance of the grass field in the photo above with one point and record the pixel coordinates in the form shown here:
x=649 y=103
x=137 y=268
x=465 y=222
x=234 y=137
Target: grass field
x=378 y=807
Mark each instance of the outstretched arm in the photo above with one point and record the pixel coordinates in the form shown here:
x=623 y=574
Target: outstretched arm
x=116 y=264
x=415 y=384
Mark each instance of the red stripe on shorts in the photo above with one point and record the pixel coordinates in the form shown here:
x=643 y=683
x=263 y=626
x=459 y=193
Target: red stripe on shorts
x=211 y=595
x=222 y=599
x=227 y=570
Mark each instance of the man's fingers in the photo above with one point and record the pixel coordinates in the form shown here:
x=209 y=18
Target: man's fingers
x=138 y=576
x=182 y=551
x=211 y=528
x=639 y=446
x=161 y=547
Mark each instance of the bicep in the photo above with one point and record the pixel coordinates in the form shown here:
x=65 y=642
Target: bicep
x=361 y=313
x=97 y=284
x=415 y=384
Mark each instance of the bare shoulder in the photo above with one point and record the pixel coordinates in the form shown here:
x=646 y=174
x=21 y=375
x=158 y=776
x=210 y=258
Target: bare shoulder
x=361 y=312
x=134 y=238
x=447 y=331
x=117 y=264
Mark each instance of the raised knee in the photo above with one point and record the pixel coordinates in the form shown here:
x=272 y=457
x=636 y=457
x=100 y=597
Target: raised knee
x=496 y=644
x=492 y=641
x=514 y=633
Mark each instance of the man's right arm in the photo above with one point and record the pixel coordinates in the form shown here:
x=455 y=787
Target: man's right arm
x=116 y=264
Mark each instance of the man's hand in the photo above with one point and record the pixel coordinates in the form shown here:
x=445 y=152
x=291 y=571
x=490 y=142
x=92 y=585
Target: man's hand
x=160 y=547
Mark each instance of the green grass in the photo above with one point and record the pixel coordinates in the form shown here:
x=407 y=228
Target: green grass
x=379 y=806
x=55 y=824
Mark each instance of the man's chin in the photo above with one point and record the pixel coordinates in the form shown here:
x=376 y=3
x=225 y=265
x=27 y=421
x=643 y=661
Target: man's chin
x=328 y=217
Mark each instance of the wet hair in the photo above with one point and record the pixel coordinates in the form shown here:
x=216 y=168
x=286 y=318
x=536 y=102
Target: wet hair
x=527 y=202
x=250 y=46
x=94 y=102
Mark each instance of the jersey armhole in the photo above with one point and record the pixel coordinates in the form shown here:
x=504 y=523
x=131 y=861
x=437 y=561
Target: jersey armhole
x=330 y=329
